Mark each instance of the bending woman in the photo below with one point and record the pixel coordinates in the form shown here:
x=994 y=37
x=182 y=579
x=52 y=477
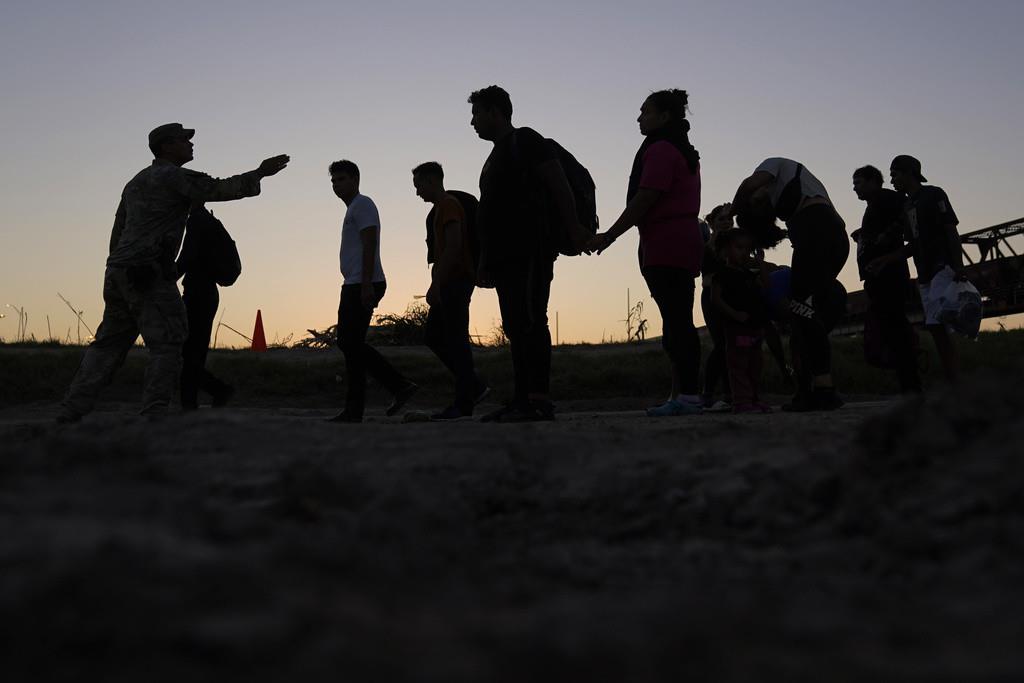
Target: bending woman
x=663 y=200
x=784 y=189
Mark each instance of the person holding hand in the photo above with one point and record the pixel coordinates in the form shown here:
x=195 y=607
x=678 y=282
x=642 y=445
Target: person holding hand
x=663 y=201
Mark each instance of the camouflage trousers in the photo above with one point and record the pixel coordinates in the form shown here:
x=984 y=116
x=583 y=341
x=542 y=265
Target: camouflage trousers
x=158 y=314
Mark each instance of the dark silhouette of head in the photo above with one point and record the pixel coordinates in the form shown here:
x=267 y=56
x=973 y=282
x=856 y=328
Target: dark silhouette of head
x=719 y=218
x=736 y=246
x=662 y=109
x=867 y=183
x=905 y=174
x=492 y=112
x=344 y=179
x=172 y=142
x=428 y=179
x=758 y=219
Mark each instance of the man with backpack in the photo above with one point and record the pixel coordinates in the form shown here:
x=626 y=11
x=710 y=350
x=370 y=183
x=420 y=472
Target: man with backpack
x=208 y=258
x=453 y=249
x=528 y=212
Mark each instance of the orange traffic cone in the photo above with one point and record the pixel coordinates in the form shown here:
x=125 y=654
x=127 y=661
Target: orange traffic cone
x=259 y=340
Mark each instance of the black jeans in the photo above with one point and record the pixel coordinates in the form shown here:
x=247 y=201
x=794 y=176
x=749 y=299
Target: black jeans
x=714 y=367
x=523 y=289
x=447 y=335
x=360 y=357
x=201 y=299
x=672 y=289
x=887 y=298
x=820 y=249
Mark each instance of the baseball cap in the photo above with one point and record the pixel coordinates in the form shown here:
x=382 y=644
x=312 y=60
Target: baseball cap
x=170 y=130
x=908 y=164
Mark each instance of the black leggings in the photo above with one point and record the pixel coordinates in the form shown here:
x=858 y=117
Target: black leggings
x=820 y=248
x=672 y=289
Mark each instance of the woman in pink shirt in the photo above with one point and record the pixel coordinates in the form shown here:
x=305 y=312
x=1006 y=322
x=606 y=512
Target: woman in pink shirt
x=663 y=201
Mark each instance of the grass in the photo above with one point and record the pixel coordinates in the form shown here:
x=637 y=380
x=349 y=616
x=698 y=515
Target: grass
x=41 y=372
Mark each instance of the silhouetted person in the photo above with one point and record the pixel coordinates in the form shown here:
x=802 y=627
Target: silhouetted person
x=202 y=248
x=663 y=200
x=934 y=243
x=784 y=189
x=452 y=280
x=738 y=294
x=140 y=291
x=524 y=194
x=718 y=221
x=363 y=288
x=881 y=234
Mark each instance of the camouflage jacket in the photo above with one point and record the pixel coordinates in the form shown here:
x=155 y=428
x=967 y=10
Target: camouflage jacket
x=155 y=204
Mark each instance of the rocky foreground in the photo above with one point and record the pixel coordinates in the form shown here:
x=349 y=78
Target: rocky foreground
x=882 y=542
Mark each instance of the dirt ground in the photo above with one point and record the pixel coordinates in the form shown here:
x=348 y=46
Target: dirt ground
x=880 y=542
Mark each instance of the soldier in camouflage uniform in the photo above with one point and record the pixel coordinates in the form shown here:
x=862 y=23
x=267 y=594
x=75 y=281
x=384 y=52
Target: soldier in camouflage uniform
x=140 y=291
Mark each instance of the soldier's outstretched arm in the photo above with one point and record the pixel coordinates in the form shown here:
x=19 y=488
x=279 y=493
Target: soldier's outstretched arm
x=200 y=187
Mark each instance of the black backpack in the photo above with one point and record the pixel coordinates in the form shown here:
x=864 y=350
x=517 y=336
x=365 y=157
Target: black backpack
x=469 y=206
x=584 y=191
x=209 y=249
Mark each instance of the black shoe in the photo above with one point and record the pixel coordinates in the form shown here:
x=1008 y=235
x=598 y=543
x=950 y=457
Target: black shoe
x=450 y=414
x=800 y=403
x=531 y=411
x=402 y=397
x=345 y=417
x=481 y=394
x=66 y=418
x=221 y=398
x=826 y=399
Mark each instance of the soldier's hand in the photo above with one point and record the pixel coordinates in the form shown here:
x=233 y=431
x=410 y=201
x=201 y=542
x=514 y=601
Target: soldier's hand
x=273 y=165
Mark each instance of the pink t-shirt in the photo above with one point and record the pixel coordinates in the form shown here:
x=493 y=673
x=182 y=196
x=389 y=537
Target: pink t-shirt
x=670 y=232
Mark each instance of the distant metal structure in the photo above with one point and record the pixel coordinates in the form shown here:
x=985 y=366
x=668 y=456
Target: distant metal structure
x=998 y=270
x=995 y=268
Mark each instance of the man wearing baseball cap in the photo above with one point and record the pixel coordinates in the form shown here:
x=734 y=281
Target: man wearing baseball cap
x=140 y=291
x=934 y=243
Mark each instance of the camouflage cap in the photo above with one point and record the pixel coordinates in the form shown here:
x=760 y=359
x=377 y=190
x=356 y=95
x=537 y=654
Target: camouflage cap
x=170 y=130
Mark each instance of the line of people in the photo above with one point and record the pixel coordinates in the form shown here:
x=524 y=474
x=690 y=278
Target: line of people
x=536 y=202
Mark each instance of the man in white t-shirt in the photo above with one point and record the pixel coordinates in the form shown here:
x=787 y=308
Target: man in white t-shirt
x=362 y=289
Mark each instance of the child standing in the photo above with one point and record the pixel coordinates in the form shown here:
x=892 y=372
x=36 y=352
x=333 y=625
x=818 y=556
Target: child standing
x=739 y=297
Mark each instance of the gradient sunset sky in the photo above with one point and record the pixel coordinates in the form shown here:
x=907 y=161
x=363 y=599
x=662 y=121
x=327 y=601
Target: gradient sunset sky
x=834 y=85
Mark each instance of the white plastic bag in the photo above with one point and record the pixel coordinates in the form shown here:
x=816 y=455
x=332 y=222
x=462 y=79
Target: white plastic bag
x=961 y=308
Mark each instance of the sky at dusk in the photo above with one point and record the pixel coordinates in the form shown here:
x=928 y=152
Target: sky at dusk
x=835 y=85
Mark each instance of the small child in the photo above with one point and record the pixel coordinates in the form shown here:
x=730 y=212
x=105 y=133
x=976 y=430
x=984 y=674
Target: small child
x=738 y=295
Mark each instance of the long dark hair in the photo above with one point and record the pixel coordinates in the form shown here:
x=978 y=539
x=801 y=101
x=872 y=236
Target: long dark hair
x=675 y=103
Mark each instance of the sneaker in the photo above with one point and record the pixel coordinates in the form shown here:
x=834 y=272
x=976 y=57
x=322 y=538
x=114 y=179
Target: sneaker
x=402 y=397
x=719 y=407
x=450 y=414
x=345 y=417
x=221 y=398
x=674 y=408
